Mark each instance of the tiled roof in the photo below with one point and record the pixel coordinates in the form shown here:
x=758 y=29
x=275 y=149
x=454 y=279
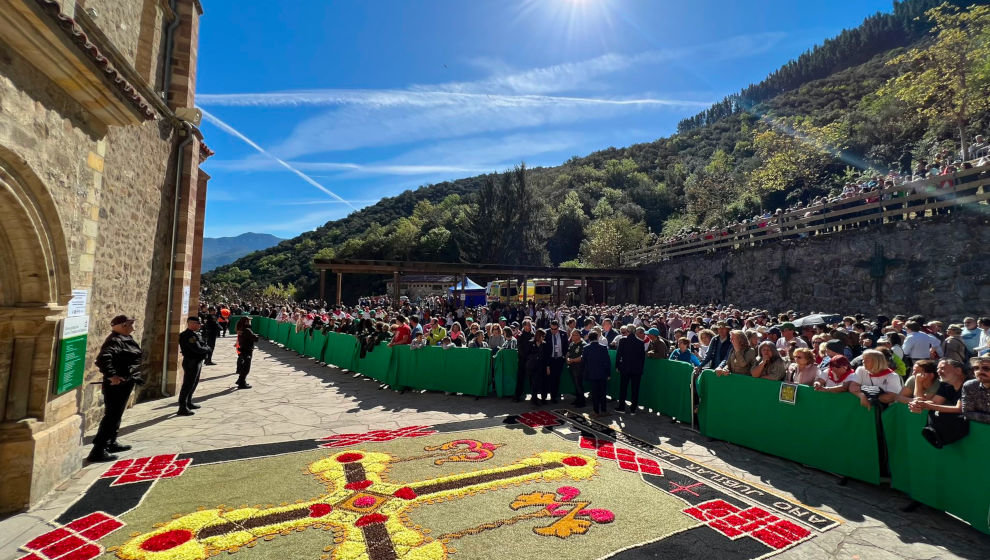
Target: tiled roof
x=79 y=37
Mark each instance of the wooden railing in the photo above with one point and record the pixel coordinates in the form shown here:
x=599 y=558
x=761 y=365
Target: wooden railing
x=913 y=200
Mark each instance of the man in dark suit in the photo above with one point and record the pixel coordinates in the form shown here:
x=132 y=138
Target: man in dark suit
x=597 y=370
x=194 y=351
x=629 y=361
x=555 y=351
x=525 y=346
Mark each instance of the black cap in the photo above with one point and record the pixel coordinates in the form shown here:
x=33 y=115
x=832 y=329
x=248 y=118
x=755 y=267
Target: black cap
x=121 y=319
x=193 y=318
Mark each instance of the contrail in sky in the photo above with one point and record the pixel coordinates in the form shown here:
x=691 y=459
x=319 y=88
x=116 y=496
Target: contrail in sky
x=235 y=133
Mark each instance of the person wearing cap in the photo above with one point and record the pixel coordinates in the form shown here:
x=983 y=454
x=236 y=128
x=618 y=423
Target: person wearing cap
x=656 y=348
x=788 y=334
x=119 y=360
x=194 y=351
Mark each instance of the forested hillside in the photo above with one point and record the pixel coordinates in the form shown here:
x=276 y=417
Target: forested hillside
x=854 y=105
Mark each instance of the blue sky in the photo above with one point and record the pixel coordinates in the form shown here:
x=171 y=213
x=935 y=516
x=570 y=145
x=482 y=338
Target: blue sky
x=316 y=107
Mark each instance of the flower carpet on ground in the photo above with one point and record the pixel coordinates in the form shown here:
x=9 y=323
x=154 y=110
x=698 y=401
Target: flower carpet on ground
x=546 y=484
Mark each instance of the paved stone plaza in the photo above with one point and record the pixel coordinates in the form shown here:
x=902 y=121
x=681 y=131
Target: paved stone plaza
x=294 y=398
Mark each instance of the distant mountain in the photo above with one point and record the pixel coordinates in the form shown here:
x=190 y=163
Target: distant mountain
x=218 y=251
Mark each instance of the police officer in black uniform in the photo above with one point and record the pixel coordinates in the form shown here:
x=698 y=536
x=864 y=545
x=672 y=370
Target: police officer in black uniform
x=194 y=351
x=119 y=361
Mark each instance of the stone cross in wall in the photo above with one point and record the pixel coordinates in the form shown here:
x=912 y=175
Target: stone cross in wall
x=723 y=278
x=784 y=272
x=877 y=267
x=681 y=280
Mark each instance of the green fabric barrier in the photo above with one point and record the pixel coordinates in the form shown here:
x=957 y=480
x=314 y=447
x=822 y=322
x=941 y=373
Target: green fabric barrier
x=297 y=341
x=666 y=388
x=940 y=478
x=268 y=328
x=256 y=323
x=827 y=431
x=282 y=333
x=232 y=326
x=506 y=367
x=342 y=351
x=375 y=364
x=314 y=344
x=402 y=360
x=465 y=370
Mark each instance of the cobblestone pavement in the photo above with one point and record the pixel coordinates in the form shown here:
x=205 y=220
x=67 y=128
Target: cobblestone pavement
x=294 y=398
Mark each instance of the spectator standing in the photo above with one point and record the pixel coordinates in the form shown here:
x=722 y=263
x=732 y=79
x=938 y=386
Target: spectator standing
x=719 y=347
x=976 y=392
x=946 y=424
x=630 y=358
x=537 y=367
x=803 y=369
x=875 y=372
x=683 y=352
x=837 y=377
x=556 y=348
x=525 y=345
x=657 y=348
x=119 y=361
x=954 y=348
x=741 y=357
x=211 y=330
x=575 y=349
x=403 y=333
x=246 y=338
x=597 y=370
x=970 y=333
x=922 y=384
x=918 y=345
x=194 y=351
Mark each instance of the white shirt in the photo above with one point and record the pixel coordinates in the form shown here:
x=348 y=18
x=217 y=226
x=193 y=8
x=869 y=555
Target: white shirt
x=917 y=344
x=890 y=383
x=782 y=343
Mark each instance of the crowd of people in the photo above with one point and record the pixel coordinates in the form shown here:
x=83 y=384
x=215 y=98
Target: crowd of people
x=927 y=364
x=864 y=193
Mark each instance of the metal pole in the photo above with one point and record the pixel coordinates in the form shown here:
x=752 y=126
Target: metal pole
x=340 y=281
x=323 y=286
x=395 y=289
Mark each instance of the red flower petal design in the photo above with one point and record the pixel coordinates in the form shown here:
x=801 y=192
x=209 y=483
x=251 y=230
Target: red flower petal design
x=370 y=519
x=349 y=457
x=574 y=461
x=166 y=540
x=406 y=493
x=319 y=510
x=359 y=485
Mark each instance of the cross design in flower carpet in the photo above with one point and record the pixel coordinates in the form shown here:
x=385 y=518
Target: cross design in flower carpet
x=76 y=540
x=675 y=488
x=627 y=458
x=754 y=522
x=368 y=515
x=129 y=471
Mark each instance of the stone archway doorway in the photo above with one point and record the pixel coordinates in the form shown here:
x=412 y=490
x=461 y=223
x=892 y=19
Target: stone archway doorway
x=34 y=288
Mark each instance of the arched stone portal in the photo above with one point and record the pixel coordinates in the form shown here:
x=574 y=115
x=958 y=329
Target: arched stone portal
x=39 y=433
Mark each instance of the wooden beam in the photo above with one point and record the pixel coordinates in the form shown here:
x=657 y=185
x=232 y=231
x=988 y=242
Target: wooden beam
x=340 y=282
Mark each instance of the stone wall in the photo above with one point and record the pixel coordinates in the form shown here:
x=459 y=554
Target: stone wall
x=106 y=193
x=937 y=267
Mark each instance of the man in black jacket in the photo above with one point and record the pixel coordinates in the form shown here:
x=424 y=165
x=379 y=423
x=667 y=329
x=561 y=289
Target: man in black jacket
x=630 y=358
x=119 y=361
x=194 y=351
x=211 y=330
x=555 y=352
x=525 y=347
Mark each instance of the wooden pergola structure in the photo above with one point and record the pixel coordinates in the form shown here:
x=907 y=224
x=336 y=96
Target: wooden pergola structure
x=460 y=270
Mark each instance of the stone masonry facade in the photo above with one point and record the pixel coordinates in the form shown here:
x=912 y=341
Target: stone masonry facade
x=109 y=182
x=936 y=267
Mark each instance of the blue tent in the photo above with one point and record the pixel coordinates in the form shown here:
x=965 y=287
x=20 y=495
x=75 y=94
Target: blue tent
x=471 y=293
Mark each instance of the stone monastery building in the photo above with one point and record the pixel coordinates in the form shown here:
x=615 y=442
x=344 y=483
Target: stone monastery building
x=101 y=203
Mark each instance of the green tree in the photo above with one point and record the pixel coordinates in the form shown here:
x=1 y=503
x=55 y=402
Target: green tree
x=570 y=220
x=608 y=238
x=712 y=189
x=794 y=154
x=947 y=78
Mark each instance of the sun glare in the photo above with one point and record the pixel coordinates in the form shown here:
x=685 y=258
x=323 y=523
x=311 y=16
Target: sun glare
x=574 y=20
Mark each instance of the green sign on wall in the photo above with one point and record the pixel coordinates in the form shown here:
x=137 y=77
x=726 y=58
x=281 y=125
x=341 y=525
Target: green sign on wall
x=71 y=354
